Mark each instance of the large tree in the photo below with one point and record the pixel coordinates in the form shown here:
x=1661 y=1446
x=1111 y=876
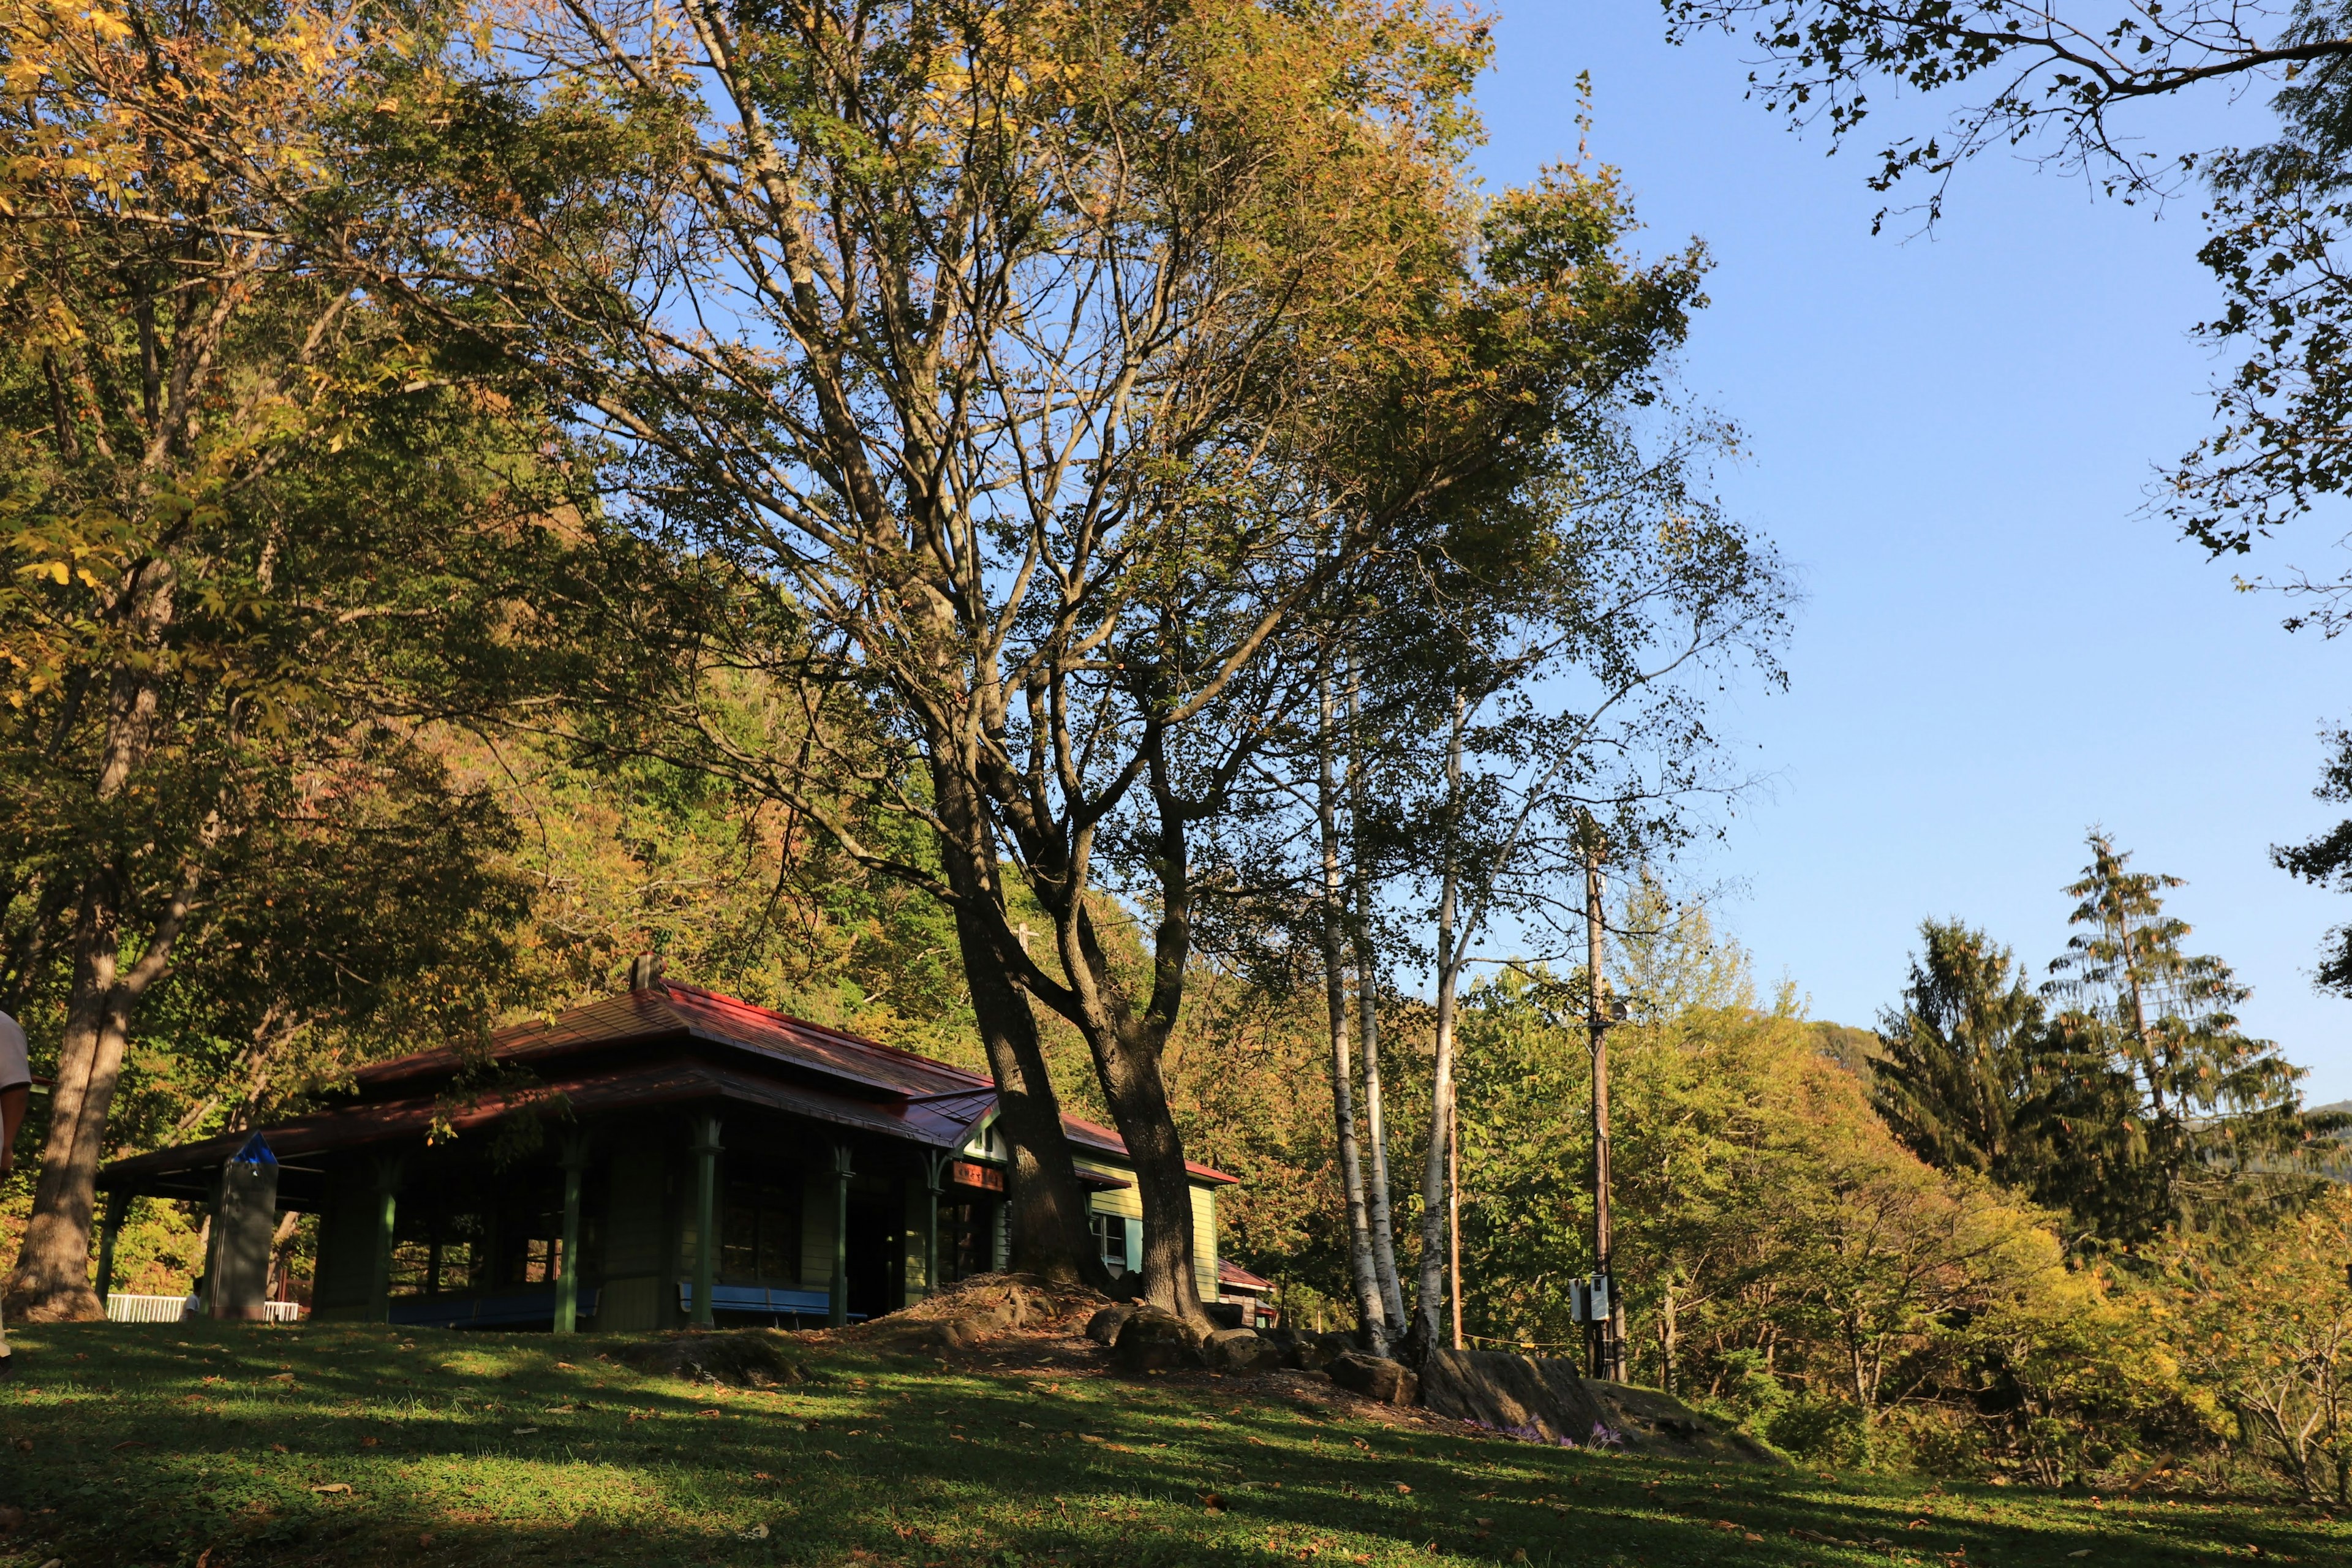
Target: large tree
x=256 y=532
x=1032 y=367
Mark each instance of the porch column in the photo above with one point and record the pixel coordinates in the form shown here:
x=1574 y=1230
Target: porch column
x=935 y=1165
x=387 y=1193
x=837 y=1309
x=706 y=1219
x=567 y=1274
x=116 y=1204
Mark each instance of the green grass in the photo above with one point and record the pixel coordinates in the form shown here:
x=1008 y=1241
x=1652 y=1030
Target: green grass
x=158 y=1444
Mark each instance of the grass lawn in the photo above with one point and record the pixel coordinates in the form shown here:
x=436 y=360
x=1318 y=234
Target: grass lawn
x=225 y=1446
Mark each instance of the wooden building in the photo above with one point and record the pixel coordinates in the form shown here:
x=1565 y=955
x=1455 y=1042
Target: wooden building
x=658 y=1158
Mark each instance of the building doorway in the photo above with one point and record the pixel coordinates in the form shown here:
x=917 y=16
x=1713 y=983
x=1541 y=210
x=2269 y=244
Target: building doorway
x=876 y=1245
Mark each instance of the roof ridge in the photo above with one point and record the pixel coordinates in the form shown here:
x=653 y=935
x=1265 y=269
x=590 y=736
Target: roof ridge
x=979 y=1081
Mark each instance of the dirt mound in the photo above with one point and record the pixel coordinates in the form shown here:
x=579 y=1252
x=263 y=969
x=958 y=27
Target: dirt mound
x=985 y=1305
x=746 y=1358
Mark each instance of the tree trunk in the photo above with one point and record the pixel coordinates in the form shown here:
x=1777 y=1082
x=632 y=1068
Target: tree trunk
x=1367 y=1034
x=1434 y=1238
x=1667 y=1332
x=1369 y=1312
x=1139 y=1105
x=52 y=1279
x=1045 y=1204
x=1045 y=1207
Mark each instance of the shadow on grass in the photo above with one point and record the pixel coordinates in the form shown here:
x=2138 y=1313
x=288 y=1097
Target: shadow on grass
x=343 y=1445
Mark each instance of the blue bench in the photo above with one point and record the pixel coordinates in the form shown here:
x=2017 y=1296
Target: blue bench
x=762 y=1301
x=499 y=1309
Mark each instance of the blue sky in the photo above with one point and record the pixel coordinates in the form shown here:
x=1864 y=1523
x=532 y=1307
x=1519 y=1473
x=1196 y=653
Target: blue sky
x=1951 y=438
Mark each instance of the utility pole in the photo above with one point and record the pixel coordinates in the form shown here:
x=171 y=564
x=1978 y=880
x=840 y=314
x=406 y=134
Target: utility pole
x=1605 y=1333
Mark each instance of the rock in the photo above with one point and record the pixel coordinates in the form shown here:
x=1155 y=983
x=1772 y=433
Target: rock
x=1154 y=1340
x=751 y=1358
x=1226 y=1314
x=1286 y=1345
x=1104 y=1326
x=1240 y=1350
x=1543 y=1400
x=1386 y=1381
x=1318 y=1353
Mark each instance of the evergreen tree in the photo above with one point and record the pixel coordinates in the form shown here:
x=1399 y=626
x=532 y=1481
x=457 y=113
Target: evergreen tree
x=2214 y=1126
x=1960 y=1077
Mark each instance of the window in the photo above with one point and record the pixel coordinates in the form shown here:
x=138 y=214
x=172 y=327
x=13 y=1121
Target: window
x=1110 y=1241
x=760 y=1228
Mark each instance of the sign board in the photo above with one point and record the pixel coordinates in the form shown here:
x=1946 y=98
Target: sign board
x=972 y=1173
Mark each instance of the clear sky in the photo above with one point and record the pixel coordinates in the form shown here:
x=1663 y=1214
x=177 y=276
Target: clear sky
x=1951 y=438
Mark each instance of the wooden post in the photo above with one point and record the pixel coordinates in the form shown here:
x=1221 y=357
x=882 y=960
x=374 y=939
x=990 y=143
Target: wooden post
x=1607 y=1353
x=388 y=1197
x=706 y=1220
x=567 y=1261
x=935 y=1166
x=116 y=1204
x=837 y=1308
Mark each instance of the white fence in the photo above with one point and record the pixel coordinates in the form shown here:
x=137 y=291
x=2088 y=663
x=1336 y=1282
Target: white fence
x=173 y=1308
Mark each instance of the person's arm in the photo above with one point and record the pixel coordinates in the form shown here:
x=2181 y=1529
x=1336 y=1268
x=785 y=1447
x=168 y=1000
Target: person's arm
x=13 y=1103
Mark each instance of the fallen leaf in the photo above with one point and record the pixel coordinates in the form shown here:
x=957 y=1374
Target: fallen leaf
x=370 y=1442
x=11 y=1517
x=277 y=1447
x=757 y=1532
x=23 y=1444
x=426 y=1539
x=762 y=1476
x=565 y=1366
x=524 y=1431
x=1402 y=1488
x=1213 y=1502
x=337 y=1488
x=132 y=1443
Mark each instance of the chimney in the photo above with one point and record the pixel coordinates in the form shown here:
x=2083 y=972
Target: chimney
x=645 y=971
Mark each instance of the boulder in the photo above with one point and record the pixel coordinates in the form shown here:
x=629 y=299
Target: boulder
x=1240 y=1350
x=1376 y=1378
x=1318 y=1352
x=1104 y=1326
x=1154 y=1340
x=748 y=1358
x=1543 y=1400
x=1226 y=1314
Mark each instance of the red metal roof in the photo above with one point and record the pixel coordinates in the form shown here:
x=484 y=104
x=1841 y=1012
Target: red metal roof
x=676 y=1009
x=1094 y=1135
x=1232 y=1276
x=874 y=1087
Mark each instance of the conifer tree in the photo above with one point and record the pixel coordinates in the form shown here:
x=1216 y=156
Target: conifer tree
x=2216 y=1112
x=1961 y=1079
